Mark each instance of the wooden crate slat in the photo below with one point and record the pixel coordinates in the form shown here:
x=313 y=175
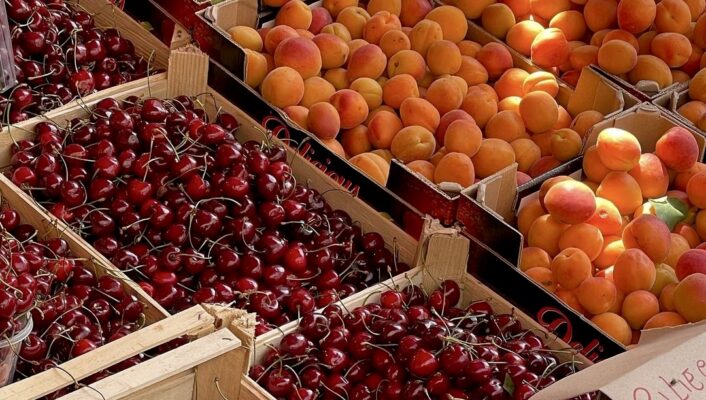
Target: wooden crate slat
x=180 y=387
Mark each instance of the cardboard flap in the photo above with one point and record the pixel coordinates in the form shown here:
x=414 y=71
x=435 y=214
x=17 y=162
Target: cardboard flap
x=188 y=72
x=232 y=13
x=658 y=364
x=497 y=192
x=444 y=251
x=595 y=93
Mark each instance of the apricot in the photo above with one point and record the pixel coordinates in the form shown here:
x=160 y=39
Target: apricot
x=550 y=183
x=300 y=54
x=413 y=11
x=585 y=237
x=456 y=168
x=693 y=111
x=542 y=276
x=638 y=307
x=612 y=248
x=645 y=42
x=544 y=232
x=673 y=48
x=495 y=58
x=621 y=189
x=624 y=36
x=585 y=121
x=355 y=141
x=497 y=19
x=445 y=95
x=463 y=136
x=593 y=167
x=550 y=48
x=596 y=295
x=600 y=14
x=413 y=143
x=278 y=78
x=583 y=56
x=424 y=33
x=691 y=262
x=540 y=81
x=443 y=57
x=399 y=88
x=468 y=48
x=617 y=57
x=511 y=83
x=372 y=165
x=649 y=234
x=354 y=19
x=652 y=176
x=570 y=202
x=533 y=257
x=298 y=114
x=393 y=42
x=571 y=267
x=447 y=119
x=664 y=319
x=334 y=51
x=277 y=35
x=379 y=24
x=370 y=90
x=246 y=37
x=566 y=144
x=618 y=149
x=539 y=111
x=564 y=119
x=382 y=129
x=511 y=103
x=543 y=165
x=294 y=13
x=423 y=168
x=634 y=270
x=614 y=325
x=666 y=298
x=699 y=34
x=320 y=17
x=335 y=147
x=316 y=89
x=678 y=245
x=571 y=23
x=505 y=125
x=407 y=62
x=323 y=121
x=636 y=16
x=368 y=61
x=664 y=276
x=651 y=68
x=546 y=9
x=519 y=8
x=338 y=29
x=526 y=153
x=527 y=213
x=690 y=298
x=385 y=154
x=337 y=78
x=678 y=149
x=673 y=16
x=521 y=35
x=256 y=68
x=351 y=107
x=452 y=21
x=472 y=71
x=492 y=156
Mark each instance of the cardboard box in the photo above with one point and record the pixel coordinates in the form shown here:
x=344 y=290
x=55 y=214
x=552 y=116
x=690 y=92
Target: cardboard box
x=672 y=101
x=667 y=363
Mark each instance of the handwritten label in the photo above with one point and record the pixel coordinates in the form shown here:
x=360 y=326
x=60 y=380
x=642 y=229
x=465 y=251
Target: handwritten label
x=688 y=384
x=555 y=321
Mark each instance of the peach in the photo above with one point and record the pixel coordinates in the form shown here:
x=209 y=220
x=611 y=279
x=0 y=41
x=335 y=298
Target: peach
x=452 y=21
x=614 y=325
x=633 y=271
x=534 y=257
x=570 y=268
x=664 y=319
x=370 y=90
x=678 y=149
x=256 y=68
x=600 y=14
x=526 y=153
x=571 y=23
x=673 y=16
x=492 y=156
x=593 y=167
x=693 y=111
x=527 y=213
x=382 y=129
x=691 y=262
x=394 y=41
x=505 y=125
x=540 y=81
x=372 y=165
x=511 y=83
x=323 y=121
x=445 y=95
x=696 y=190
x=585 y=120
x=497 y=19
x=338 y=29
x=301 y=54
x=638 y=307
x=495 y=58
x=334 y=51
x=636 y=16
x=543 y=277
x=399 y=88
x=294 y=13
x=278 y=78
x=652 y=176
x=447 y=119
x=246 y=37
x=690 y=298
x=443 y=57
x=472 y=71
x=423 y=34
x=678 y=245
x=456 y=168
x=417 y=111
x=550 y=48
x=407 y=62
x=277 y=35
x=618 y=149
x=463 y=136
x=351 y=107
x=544 y=232
x=583 y=56
x=521 y=35
x=298 y=114
x=566 y=144
x=355 y=141
x=570 y=202
x=583 y=236
x=543 y=165
x=651 y=68
x=621 y=189
x=366 y=62
x=320 y=17
x=413 y=11
x=539 y=111
x=596 y=295
x=413 y=143
x=673 y=48
x=649 y=234
x=423 y=168
x=617 y=57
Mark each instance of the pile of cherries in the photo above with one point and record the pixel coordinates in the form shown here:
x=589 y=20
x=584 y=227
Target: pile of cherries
x=73 y=311
x=60 y=55
x=410 y=346
x=193 y=215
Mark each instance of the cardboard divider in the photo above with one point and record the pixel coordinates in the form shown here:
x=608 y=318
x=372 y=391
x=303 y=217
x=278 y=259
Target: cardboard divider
x=670 y=103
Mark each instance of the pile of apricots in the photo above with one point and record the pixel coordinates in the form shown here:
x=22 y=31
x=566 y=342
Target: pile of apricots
x=398 y=79
x=625 y=244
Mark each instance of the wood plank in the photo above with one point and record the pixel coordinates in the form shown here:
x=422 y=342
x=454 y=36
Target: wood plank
x=132 y=380
x=111 y=353
x=250 y=390
x=180 y=387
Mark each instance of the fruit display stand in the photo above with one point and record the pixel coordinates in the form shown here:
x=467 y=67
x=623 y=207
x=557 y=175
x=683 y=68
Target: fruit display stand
x=204 y=368
x=107 y=16
x=443 y=254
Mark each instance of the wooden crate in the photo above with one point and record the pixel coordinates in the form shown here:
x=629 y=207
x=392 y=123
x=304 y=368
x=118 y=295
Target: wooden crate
x=106 y=15
x=443 y=254
x=205 y=368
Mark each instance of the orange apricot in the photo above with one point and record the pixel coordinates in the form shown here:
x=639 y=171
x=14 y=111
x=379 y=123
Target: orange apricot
x=638 y=307
x=633 y=271
x=570 y=202
x=614 y=325
x=545 y=232
x=597 y=295
x=542 y=276
x=455 y=168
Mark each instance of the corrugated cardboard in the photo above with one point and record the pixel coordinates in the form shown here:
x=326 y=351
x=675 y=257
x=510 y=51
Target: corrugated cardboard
x=188 y=72
x=667 y=364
